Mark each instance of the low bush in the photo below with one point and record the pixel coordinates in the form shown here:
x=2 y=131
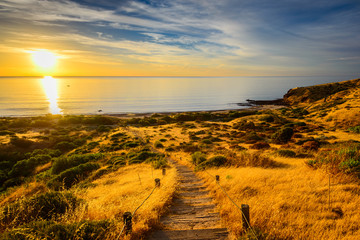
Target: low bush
x=73 y=175
x=50 y=205
x=50 y=230
x=311 y=145
x=260 y=145
x=26 y=167
x=283 y=135
x=257 y=159
x=20 y=142
x=346 y=160
x=103 y=128
x=215 y=161
x=6 y=132
x=159 y=162
x=65 y=146
x=198 y=158
x=267 y=118
x=131 y=144
x=355 y=129
x=158 y=144
x=169 y=149
x=286 y=153
x=63 y=163
x=117 y=160
x=206 y=141
x=44 y=151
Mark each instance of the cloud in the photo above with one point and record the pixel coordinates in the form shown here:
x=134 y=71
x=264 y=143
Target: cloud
x=251 y=32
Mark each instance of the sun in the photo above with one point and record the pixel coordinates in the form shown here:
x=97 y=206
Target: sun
x=44 y=59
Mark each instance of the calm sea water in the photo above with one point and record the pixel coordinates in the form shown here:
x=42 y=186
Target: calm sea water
x=87 y=95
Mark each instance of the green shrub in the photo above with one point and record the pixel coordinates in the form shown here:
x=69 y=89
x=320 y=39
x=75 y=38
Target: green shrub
x=26 y=167
x=44 y=151
x=63 y=163
x=103 y=128
x=158 y=144
x=73 y=175
x=350 y=165
x=65 y=146
x=12 y=182
x=169 y=149
x=49 y=230
x=20 y=142
x=41 y=123
x=22 y=168
x=188 y=147
x=355 y=129
x=267 y=118
x=158 y=163
x=252 y=136
x=260 y=145
x=20 y=123
x=215 y=161
x=286 y=153
x=198 y=158
x=142 y=156
x=92 y=145
x=283 y=135
x=206 y=141
x=50 y=205
x=6 y=132
x=117 y=160
x=131 y=144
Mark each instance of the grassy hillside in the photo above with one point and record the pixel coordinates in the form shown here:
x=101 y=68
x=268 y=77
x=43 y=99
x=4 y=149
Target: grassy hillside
x=334 y=104
x=95 y=168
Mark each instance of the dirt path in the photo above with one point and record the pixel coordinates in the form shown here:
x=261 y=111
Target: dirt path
x=192 y=214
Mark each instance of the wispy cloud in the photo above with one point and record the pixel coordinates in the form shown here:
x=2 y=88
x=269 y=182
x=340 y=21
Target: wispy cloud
x=254 y=33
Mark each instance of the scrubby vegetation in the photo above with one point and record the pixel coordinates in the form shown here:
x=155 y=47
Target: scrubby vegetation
x=72 y=177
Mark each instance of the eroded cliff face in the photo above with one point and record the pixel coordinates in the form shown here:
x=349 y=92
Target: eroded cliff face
x=324 y=91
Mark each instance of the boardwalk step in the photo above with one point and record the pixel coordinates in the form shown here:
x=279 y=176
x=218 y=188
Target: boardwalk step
x=197 y=234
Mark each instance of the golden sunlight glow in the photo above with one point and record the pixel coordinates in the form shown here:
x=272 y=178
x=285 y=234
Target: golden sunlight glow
x=44 y=59
x=51 y=91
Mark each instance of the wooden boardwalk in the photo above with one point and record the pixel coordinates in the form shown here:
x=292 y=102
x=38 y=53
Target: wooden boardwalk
x=192 y=214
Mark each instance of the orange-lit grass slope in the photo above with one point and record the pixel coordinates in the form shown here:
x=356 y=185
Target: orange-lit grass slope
x=289 y=203
x=110 y=195
x=334 y=104
x=287 y=198
x=123 y=191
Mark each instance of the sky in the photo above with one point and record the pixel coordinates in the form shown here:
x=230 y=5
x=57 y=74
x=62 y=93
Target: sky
x=182 y=37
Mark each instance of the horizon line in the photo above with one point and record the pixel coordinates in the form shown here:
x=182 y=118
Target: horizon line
x=42 y=76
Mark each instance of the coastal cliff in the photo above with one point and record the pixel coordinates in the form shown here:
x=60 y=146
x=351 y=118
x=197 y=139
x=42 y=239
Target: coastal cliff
x=314 y=93
x=336 y=104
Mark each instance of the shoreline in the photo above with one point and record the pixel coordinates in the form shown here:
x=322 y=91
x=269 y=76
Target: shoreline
x=139 y=115
x=255 y=105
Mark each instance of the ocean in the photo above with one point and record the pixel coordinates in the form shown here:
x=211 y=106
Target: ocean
x=32 y=96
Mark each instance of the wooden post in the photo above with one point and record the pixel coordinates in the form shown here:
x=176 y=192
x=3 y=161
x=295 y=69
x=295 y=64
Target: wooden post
x=245 y=209
x=128 y=222
x=217 y=178
x=329 y=194
x=139 y=178
x=164 y=171
x=157 y=182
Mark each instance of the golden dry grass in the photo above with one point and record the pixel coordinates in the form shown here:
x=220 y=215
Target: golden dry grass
x=289 y=203
x=123 y=191
x=25 y=190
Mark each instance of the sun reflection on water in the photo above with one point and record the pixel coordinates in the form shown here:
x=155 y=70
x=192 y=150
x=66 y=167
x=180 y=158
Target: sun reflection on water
x=50 y=86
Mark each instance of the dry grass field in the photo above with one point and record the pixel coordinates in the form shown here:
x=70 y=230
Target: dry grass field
x=297 y=167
